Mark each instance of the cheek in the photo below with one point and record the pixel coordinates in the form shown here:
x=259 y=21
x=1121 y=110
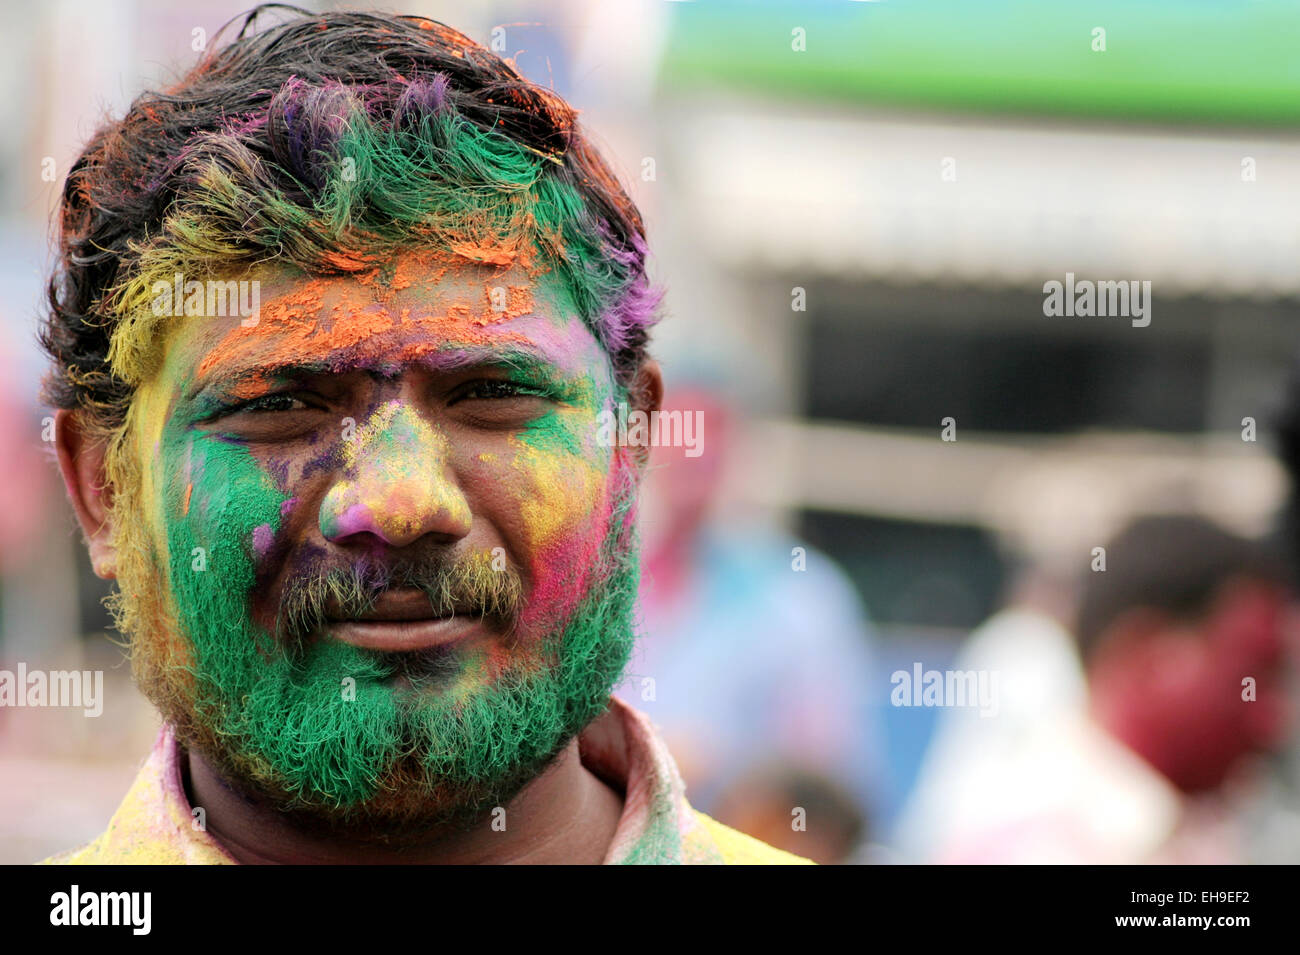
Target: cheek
x=563 y=500
x=220 y=511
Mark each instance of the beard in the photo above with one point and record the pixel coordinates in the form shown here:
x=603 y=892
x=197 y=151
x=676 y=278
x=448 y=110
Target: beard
x=342 y=739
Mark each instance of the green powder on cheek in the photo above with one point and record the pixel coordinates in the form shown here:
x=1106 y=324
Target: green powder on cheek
x=271 y=713
x=554 y=433
x=571 y=428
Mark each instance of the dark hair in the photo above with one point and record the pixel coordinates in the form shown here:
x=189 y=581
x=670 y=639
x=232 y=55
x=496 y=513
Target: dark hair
x=1175 y=564
x=241 y=162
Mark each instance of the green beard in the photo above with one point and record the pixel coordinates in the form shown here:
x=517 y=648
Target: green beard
x=321 y=732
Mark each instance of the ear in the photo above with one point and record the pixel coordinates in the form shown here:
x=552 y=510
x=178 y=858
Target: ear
x=646 y=393
x=81 y=462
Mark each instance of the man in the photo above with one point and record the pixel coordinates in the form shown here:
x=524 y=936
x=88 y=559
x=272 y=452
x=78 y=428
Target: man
x=376 y=563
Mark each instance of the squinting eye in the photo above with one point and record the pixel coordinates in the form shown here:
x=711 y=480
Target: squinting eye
x=498 y=388
x=280 y=402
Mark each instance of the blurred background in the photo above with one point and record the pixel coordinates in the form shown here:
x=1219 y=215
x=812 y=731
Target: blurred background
x=854 y=208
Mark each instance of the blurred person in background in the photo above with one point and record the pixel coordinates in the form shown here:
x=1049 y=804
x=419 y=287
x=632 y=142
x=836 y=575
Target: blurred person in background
x=756 y=655
x=25 y=509
x=1182 y=643
x=960 y=786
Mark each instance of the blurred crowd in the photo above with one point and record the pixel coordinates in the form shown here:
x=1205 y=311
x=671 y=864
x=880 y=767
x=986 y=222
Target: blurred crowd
x=1145 y=712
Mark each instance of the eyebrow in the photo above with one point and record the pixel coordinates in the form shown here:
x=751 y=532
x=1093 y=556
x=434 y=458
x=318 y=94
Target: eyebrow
x=515 y=355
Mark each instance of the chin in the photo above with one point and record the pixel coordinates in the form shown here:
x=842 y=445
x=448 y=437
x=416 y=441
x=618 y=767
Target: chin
x=409 y=806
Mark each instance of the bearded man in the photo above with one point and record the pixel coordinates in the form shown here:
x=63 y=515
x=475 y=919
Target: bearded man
x=333 y=327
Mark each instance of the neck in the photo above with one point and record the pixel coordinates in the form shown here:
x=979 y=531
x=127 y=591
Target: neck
x=567 y=815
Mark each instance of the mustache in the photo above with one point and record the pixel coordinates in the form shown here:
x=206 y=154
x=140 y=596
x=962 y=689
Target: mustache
x=476 y=584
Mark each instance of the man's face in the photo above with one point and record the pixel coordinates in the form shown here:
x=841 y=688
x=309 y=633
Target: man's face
x=1179 y=695
x=396 y=561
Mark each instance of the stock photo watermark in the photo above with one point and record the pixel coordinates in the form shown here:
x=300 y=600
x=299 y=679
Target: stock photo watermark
x=946 y=688
x=130 y=909
x=210 y=298
x=1126 y=298
x=53 y=688
x=654 y=429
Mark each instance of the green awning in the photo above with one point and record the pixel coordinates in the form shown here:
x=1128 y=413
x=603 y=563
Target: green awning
x=1178 y=61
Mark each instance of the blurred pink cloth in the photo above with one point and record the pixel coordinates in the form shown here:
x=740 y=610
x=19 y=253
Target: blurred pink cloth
x=24 y=505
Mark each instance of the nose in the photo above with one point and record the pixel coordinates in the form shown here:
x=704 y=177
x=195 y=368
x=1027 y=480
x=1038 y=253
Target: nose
x=397 y=483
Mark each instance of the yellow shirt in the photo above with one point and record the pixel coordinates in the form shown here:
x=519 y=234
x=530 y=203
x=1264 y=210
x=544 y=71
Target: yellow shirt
x=155 y=824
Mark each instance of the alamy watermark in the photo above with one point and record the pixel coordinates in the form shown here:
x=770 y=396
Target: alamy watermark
x=211 y=298
x=53 y=688
x=922 y=687
x=654 y=429
x=132 y=910
x=1105 y=299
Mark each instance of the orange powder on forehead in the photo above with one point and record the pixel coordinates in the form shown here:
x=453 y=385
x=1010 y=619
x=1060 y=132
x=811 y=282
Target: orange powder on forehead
x=296 y=316
x=347 y=261
x=490 y=255
x=290 y=326
x=428 y=268
x=520 y=301
x=367 y=278
x=403 y=276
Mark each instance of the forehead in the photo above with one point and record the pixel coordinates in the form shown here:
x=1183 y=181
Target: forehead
x=420 y=309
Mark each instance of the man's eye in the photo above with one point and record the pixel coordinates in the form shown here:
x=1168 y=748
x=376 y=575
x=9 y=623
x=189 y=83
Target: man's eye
x=279 y=402
x=499 y=388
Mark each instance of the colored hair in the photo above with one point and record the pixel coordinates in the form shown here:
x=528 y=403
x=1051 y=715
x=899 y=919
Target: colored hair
x=328 y=142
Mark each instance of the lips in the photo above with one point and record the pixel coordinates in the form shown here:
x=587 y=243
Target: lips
x=404 y=620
